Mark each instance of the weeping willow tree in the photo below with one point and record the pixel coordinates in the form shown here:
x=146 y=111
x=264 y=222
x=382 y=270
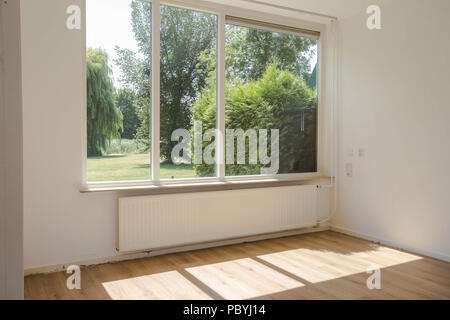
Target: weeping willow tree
x=104 y=119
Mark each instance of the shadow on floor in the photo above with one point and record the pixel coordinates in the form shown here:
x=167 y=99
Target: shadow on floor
x=323 y=265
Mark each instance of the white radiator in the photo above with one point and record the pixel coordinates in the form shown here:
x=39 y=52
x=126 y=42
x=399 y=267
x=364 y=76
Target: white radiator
x=158 y=221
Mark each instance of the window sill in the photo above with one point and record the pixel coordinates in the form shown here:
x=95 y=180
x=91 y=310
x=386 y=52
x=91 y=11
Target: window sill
x=168 y=188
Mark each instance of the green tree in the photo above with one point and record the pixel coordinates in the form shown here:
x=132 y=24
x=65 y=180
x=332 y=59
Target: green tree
x=104 y=119
x=250 y=51
x=126 y=102
x=185 y=35
x=188 y=62
x=265 y=89
x=311 y=79
x=278 y=100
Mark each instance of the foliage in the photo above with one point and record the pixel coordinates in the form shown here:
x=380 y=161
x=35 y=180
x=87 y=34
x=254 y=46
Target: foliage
x=311 y=79
x=104 y=119
x=126 y=102
x=185 y=35
x=275 y=101
x=142 y=132
x=258 y=63
x=250 y=51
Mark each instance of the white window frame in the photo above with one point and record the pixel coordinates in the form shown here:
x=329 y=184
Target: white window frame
x=221 y=11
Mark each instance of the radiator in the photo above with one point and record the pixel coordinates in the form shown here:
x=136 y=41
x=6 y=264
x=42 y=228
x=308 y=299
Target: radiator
x=158 y=221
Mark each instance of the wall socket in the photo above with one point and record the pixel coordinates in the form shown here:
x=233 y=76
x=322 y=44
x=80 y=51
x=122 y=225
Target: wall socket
x=362 y=152
x=349 y=170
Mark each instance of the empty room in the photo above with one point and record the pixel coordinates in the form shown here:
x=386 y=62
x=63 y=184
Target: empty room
x=257 y=151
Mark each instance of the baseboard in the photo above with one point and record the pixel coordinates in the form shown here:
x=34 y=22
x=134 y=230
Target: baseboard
x=147 y=254
x=431 y=254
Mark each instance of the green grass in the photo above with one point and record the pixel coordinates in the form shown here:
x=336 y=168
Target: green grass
x=132 y=167
x=123 y=146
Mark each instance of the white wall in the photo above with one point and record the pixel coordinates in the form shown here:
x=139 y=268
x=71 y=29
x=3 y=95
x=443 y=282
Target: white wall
x=395 y=104
x=61 y=224
x=11 y=183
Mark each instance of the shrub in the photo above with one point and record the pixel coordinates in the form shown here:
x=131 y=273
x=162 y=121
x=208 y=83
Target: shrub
x=275 y=101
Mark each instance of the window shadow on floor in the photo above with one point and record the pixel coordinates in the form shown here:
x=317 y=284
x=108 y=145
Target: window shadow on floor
x=323 y=265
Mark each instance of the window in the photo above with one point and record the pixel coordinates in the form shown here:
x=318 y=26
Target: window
x=156 y=91
x=188 y=68
x=270 y=95
x=118 y=59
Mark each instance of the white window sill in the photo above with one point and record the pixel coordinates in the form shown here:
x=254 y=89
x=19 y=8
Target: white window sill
x=203 y=185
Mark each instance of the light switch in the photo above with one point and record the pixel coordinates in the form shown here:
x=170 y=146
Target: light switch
x=350 y=152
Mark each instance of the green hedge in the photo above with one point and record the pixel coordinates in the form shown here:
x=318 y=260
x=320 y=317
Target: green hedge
x=275 y=101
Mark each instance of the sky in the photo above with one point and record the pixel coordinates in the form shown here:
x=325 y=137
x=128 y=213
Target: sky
x=108 y=24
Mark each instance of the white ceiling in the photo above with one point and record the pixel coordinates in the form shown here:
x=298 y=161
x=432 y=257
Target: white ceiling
x=335 y=8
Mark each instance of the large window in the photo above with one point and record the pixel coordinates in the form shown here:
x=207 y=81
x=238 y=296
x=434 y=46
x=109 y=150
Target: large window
x=271 y=99
x=204 y=97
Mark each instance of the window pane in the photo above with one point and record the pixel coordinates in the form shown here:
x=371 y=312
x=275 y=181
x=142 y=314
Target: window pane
x=270 y=85
x=118 y=57
x=188 y=92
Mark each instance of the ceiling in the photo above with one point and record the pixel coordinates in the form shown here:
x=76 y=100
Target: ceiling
x=335 y=8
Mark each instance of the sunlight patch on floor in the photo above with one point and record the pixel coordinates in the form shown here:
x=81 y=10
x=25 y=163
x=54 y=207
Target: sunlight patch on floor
x=251 y=278
x=243 y=279
x=315 y=266
x=160 y=286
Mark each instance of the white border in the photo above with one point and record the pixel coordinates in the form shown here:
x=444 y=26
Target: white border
x=220 y=76
x=155 y=94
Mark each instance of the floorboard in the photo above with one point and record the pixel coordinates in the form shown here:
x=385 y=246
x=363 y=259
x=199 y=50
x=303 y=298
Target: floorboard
x=323 y=265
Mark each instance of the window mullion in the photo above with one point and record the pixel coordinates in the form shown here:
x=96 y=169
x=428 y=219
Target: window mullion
x=221 y=97
x=155 y=92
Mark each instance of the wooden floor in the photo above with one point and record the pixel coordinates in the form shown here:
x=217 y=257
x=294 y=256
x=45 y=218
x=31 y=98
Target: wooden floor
x=325 y=265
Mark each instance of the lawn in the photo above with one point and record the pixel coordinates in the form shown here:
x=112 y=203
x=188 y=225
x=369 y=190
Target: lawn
x=132 y=167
